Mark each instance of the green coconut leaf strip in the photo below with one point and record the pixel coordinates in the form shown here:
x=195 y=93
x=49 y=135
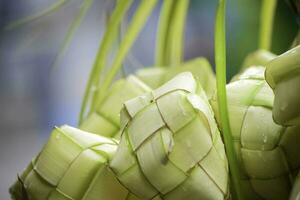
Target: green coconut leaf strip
x=84 y=8
x=162 y=32
x=138 y=21
x=220 y=59
x=176 y=33
x=109 y=37
x=47 y=11
x=266 y=24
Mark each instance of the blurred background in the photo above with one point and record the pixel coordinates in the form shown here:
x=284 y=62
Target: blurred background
x=34 y=96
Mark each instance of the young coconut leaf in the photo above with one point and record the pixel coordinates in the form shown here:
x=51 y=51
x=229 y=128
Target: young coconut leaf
x=47 y=11
x=175 y=39
x=109 y=37
x=170 y=146
x=199 y=67
x=220 y=60
x=84 y=8
x=283 y=75
x=73 y=165
x=263 y=55
x=139 y=19
x=170 y=34
x=105 y=120
x=266 y=23
x=268 y=154
x=295 y=194
x=165 y=19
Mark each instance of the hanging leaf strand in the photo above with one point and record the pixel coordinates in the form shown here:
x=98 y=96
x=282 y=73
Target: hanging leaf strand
x=26 y=20
x=266 y=24
x=84 y=8
x=109 y=37
x=220 y=59
x=175 y=50
x=139 y=19
x=162 y=32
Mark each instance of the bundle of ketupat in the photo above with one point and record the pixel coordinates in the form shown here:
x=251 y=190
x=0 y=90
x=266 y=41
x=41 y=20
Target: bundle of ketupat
x=268 y=153
x=171 y=147
x=105 y=119
x=167 y=151
x=199 y=67
x=283 y=75
x=72 y=165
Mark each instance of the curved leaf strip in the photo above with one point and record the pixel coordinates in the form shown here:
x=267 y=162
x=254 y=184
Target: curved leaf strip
x=109 y=37
x=139 y=19
x=49 y=10
x=86 y=4
x=162 y=32
x=220 y=59
x=176 y=33
x=266 y=24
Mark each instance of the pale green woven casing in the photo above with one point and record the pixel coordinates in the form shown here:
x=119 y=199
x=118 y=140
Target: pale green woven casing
x=170 y=146
x=258 y=58
x=268 y=153
x=73 y=165
x=283 y=75
x=199 y=67
x=105 y=120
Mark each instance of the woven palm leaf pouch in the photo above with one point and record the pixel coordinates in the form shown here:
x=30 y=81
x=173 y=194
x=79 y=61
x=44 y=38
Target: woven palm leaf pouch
x=268 y=153
x=73 y=165
x=170 y=146
x=105 y=120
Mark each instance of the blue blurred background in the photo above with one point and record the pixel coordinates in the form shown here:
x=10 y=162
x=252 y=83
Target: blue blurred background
x=34 y=96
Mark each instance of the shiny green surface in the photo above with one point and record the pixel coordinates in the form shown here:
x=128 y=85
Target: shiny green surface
x=268 y=153
x=283 y=75
x=71 y=166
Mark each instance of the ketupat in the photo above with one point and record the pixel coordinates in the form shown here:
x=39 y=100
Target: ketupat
x=268 y=153
x=71 y=166
x=105 y=120
x=283 y=75
x=199 y=67
x=171 y=147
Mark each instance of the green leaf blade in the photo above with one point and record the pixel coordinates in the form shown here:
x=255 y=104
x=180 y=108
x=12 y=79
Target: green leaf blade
x=220 y=59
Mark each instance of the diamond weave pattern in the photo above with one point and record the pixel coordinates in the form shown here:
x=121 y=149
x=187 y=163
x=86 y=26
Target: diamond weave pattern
x=268 y=153
x=72 y=166
x=170 y=146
